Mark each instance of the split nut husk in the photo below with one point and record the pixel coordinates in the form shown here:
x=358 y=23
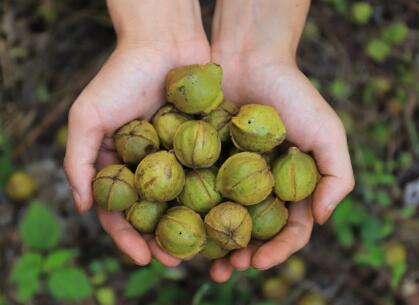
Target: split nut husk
x=229 y=225
x=196 y=144
x=199 y=192
x=113 y=188
x=268 y=218
x=257 y=128
x=295 y=175
x=159 y=177
x=195 y=89
x=220 y=118
x=245 y=178
x=212 y=250
x=144 y=215
x=181 y=232
x=166 y=121
x=135 y=140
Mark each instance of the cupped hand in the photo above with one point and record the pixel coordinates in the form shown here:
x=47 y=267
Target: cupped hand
x=130 y=85
x=313 y=126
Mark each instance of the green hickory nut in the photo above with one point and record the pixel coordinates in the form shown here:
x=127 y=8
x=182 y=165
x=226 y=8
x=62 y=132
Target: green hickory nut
x=144 y=215
x=21 y=186
x=245 y=178
x=229 y=225
x=295 y=175
x=166 y=121
x=268 y=218
x=113 y=188
x=196 y=144
x=195 y=89
x=159 y=177
x=257 y=128
x=181 y=232
x=135 y=140
x=220 y=118
x=212 y=250
x=199 y=192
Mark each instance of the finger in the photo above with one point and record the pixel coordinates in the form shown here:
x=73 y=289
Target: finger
x=162 y=256
x=221 y=270
x=334 y=163
x=107 y=154
x=84 y=140
x=125 y=236
x=292 y=238
x=241 y=259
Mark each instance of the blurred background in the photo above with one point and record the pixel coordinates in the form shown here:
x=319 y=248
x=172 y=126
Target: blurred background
x=361 y=55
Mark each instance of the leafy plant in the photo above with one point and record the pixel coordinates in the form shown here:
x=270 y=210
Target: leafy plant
x=378 y=50
x=395 y=33
x=361 y=12
x=70 y=284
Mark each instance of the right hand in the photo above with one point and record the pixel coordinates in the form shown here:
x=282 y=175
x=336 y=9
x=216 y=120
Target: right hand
x=130 y=85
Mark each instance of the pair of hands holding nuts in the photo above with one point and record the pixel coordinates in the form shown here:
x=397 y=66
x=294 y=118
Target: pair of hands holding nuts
x=255 y=43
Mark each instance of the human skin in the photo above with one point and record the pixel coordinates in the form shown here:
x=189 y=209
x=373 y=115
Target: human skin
x=152 y=37
x=255 y=42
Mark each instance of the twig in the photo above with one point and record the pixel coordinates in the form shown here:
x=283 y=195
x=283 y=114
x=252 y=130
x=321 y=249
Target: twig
x=66 y=97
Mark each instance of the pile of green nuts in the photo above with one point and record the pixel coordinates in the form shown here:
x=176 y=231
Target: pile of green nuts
x=209 y=176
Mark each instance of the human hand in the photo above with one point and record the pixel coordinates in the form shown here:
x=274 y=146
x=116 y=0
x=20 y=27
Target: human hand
x=153 y=37
x=261 y=70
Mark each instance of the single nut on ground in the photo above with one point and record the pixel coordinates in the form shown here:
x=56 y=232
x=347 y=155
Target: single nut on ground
x=312 y=298
x=268 y=218
x=229 y=225
x=21 y=186
x=257 y=128
x=295 y=175
x=113 y=188
x=212 y=250
x=166 y=121
x=195 y=88
x=220 y=118
x=293 y=270
x=245 y=178
x=199 y=192
x=144 y=215
x=159 y=177
x=196 y=144
x=181 y=232
x=135 y=140
x=275 y=288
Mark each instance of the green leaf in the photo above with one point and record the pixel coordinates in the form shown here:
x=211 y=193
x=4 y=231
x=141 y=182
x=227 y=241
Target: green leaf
x=69 y=284
x=371 y=256
x=374 y=230
x=201 y=293
x=397 y=273
x=25 y=274
x=395 y=33
x=345 y=236
x=339 y=89
x=27 y=266
x=111 y=265
x=361 y=12
x=383 y=198
x=172 y=295
x=39 y=228
x=140 y=282
x=58 y=259
x=378 y=50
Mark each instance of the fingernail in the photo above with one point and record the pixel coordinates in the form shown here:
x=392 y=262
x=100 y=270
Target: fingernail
x=77 y=201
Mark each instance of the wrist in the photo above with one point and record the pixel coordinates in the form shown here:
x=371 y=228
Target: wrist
x=269 y=29
x=156 y=22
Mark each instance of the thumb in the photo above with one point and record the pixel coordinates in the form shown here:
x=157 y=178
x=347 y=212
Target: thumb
x=84 y=140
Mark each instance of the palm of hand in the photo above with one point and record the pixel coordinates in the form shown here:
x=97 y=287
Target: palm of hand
x=312 y=126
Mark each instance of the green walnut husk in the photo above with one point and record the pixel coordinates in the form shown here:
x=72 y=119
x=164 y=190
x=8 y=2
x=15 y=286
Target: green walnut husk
x=220 y=118
x=113 y=188
x=257 y=128
x=159 y=177
x=196 y=144
x=195 y=88
x=144 y=215
x=268 y=218
x=229 y=225
x=135 y=140
x=166 y=121
x=199 y=192
x=21 y=186
x=181 y=232
x=245 y=178
x=212 y=250
x=295 y=175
